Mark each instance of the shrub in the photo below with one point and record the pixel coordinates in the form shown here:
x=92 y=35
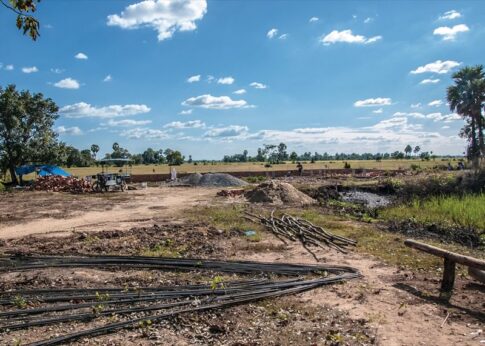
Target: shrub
x=2 y=187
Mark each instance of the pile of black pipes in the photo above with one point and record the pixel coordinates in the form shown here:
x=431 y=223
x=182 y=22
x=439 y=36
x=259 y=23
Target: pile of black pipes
x=294 y=228
x=134 y=306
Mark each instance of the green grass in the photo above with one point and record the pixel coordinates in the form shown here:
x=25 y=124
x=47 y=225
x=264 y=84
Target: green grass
x=465 y=212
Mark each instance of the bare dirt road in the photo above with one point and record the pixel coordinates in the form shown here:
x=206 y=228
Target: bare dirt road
x=22 y=214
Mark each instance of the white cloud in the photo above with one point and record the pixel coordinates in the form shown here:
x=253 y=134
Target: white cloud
x=347 y=37
x=416 y=105
x=435 y=103
x=313 y=19
x=73 y=131
x=166 y=17
x=145 y=133
x=378 y=111
x=272 y=33
x=30 y=69
x=192 y=124
x=368 y=20
x=437 y=67
x=57 y=70
x=448 y=118
x=379 y=101
x=186 y=112
x=450 y=15
x=81 y=56
x=449 y=33
x=283 y=37
x=240 y=92
x=225 y=80
x=67 y=83
x=193 y=79
x=258 y=85
x=227 y=132
x=85 y=110
x=429 y=81
x=9 y=67
x=108 y=78
x=127 y=122
x=412 y=114
x=215 y=102
x=210 y=78
x=445 y=127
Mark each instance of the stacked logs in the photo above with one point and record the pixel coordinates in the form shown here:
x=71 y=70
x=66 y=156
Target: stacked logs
x=56 y=183
x=293 y=228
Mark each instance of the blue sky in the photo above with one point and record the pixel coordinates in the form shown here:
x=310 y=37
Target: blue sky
x=216 y=77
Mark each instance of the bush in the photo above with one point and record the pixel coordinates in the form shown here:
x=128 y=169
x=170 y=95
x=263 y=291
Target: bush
x=2 y=187
x=347 y=165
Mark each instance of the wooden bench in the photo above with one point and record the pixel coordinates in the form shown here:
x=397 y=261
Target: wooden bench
x=476 y=266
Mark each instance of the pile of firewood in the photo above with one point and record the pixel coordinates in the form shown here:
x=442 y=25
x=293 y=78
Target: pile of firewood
x=56 y=183
x=294 y=228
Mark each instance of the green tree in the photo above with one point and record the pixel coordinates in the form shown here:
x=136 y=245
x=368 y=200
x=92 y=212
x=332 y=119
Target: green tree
x=417 y=149
x=174 y=157
x=94 y=150
x=26 y=133
x=408 y=150
x=24 y=10
x=293 y=156
x=467 y=97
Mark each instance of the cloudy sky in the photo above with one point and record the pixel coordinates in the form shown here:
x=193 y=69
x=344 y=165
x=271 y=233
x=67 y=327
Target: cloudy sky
x=215 y=77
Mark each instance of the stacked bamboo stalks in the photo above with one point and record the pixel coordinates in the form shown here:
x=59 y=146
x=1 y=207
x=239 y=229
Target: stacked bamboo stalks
x=294 y=228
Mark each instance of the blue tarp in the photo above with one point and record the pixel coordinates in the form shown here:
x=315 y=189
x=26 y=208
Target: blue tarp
x=42 y=170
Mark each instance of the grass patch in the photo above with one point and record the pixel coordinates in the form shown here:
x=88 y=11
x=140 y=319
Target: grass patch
x=165 y=248
x=465 y=212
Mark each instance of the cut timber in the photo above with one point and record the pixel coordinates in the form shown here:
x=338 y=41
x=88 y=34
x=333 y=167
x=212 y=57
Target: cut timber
x=450 y=259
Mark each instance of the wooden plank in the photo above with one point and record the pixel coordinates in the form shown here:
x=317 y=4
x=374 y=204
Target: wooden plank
x=452 y=256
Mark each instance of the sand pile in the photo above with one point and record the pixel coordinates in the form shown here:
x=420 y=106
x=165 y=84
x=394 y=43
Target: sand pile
x=213 y=179
x=277 y=192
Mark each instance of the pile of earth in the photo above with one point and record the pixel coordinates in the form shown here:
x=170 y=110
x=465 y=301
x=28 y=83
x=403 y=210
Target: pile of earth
x=367 y=199
x=278 y=192
x=212 y=179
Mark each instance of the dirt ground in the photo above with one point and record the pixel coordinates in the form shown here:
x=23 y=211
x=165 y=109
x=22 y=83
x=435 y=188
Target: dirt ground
x=387 y=306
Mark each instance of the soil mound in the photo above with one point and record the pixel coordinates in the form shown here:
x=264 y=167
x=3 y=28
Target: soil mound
x=213 y=179
x=277 y=192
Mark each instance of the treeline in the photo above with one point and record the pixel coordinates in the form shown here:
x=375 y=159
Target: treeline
x=275 y=154
x=73 y=157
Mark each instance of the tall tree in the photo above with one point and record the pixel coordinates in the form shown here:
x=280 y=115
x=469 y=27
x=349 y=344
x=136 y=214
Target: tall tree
x=416 y=150
x=24 y=10
x=467 y=98
x=408 y=150
x=94 y=150
x=26 y=133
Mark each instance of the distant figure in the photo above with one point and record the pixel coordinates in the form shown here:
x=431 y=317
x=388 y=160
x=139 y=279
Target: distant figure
x=173 y=174
x=461 y=166
x=450 y=167
x=299 y=166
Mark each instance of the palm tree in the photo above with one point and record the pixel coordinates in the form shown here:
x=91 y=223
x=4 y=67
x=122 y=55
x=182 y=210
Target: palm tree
x=94 y=150
x=467 y=97
x=417 y=149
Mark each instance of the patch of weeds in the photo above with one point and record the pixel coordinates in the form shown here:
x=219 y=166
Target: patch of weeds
x=165 y=248
x=255 y=179
x=17 y=342
x=217 y=282
x=90 y=239
x=335 y=338
x=19 y=302
x=145 y=326
x=102 y=297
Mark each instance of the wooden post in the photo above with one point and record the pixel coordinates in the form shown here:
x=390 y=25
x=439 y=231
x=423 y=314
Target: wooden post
x=448 y=280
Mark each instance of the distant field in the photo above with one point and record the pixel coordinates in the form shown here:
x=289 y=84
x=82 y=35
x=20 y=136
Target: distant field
x=257 y=166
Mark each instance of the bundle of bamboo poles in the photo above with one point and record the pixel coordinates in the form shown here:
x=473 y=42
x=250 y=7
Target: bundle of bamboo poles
x=294 y=228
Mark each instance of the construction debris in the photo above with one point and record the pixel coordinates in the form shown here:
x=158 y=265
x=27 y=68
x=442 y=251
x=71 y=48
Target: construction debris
x=277 y=192
x=294 y=228
x=230 y=193
x=128 y=308
x=56 y=183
